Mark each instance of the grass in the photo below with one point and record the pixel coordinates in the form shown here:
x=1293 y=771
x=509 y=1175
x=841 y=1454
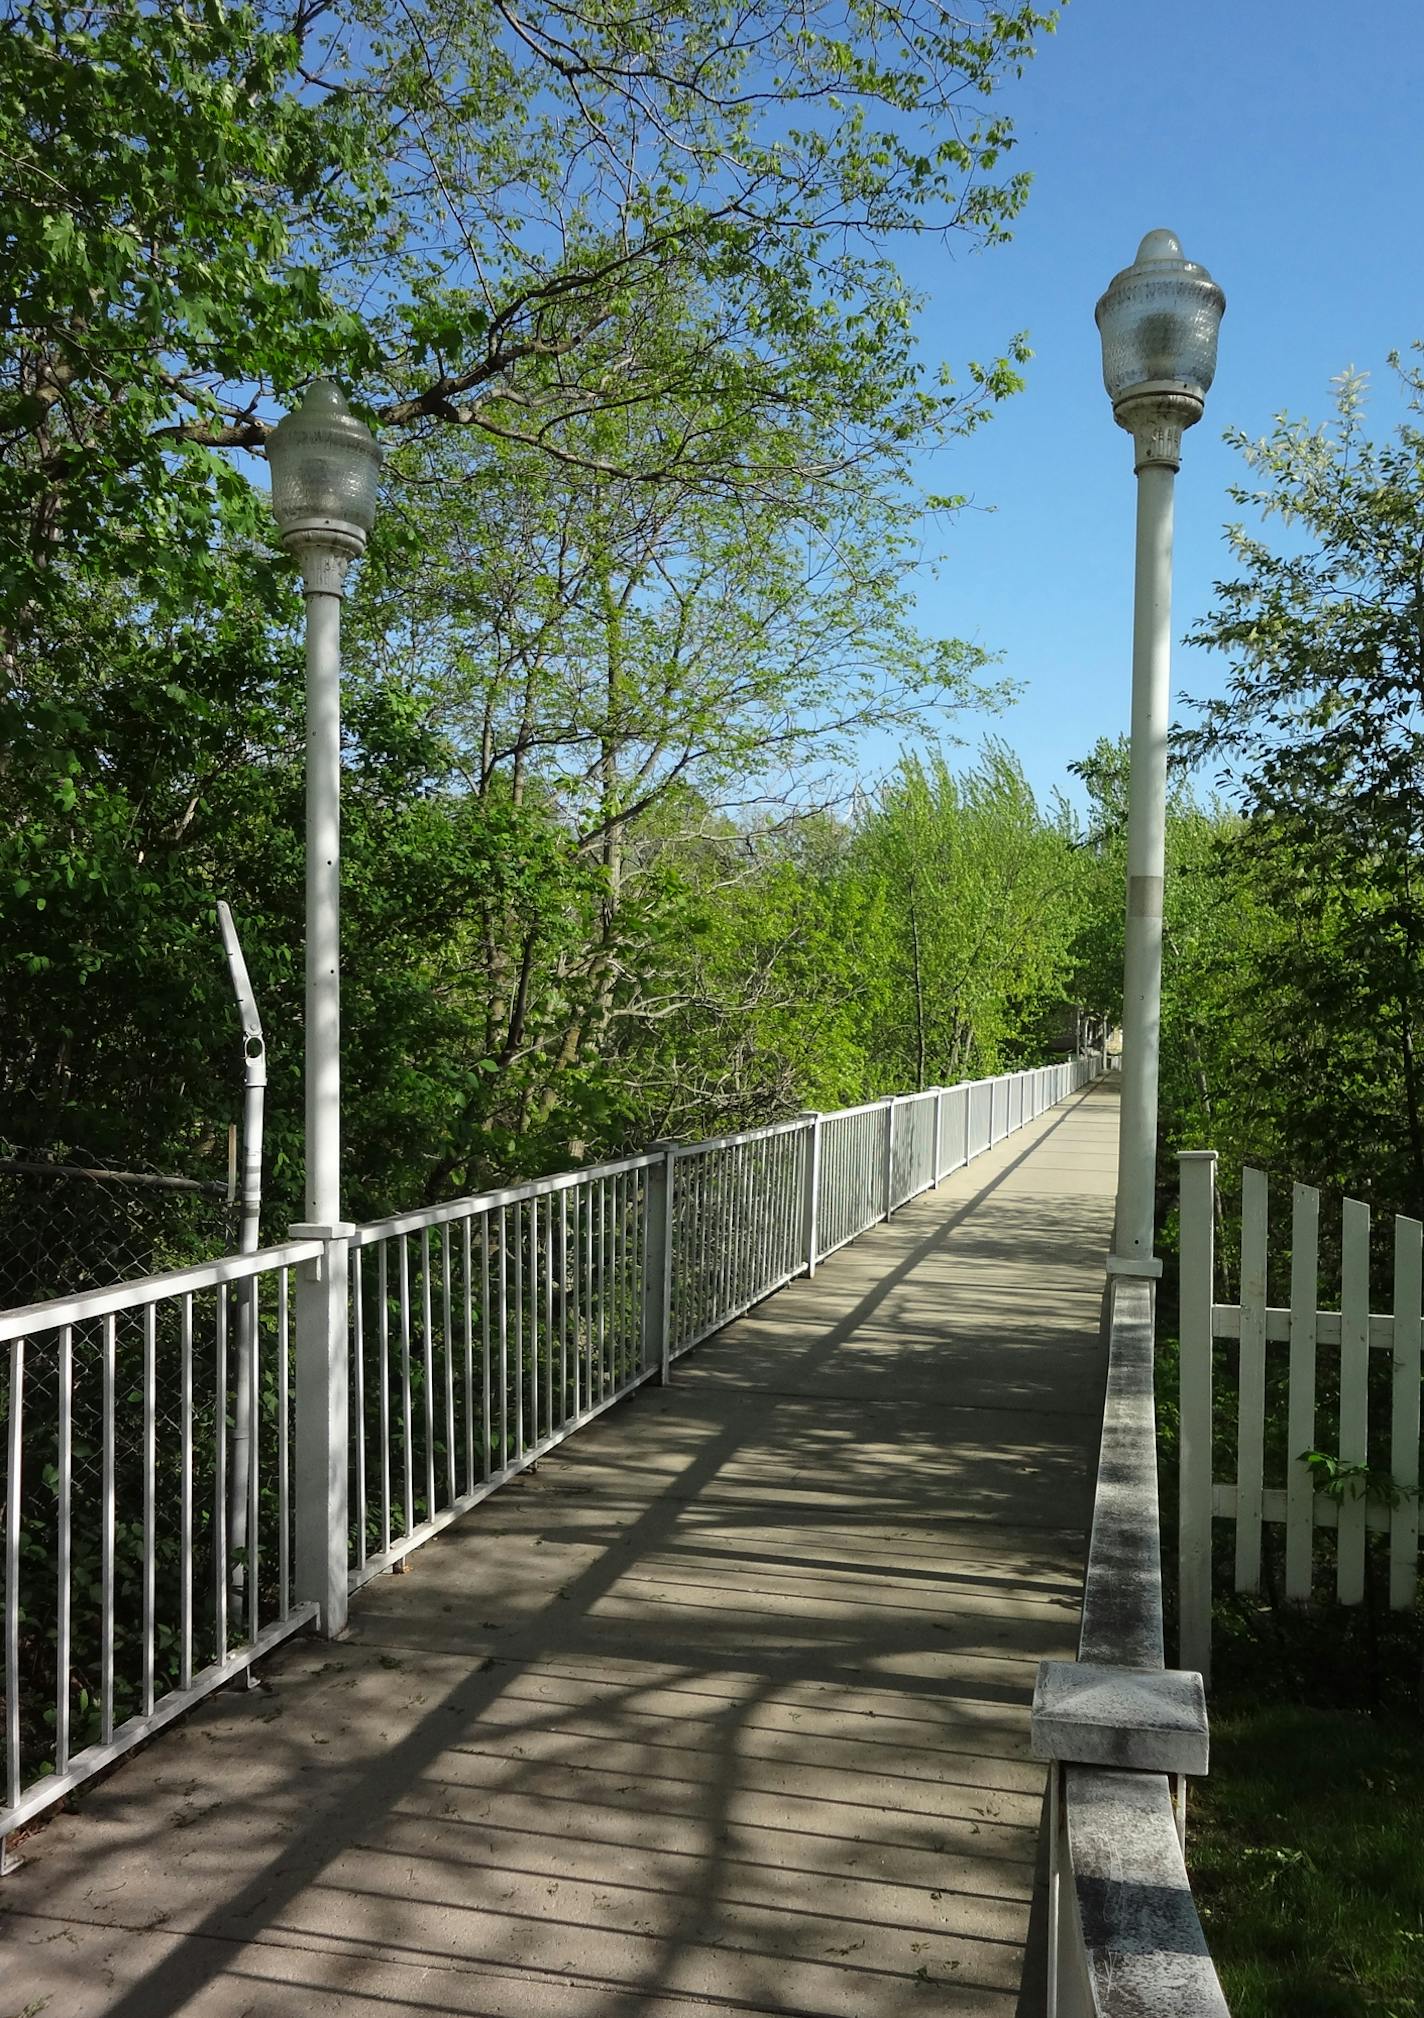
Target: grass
x=1306 y=1847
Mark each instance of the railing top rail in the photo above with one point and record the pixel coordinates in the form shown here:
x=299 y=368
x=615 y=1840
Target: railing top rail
x=788 y=1127
x=479 y=1203
x=1122 y=1587
x=1142 y=1945
x=59 y=1311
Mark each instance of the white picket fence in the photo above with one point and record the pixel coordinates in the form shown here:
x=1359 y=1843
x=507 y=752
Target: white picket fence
x=1376 y=1448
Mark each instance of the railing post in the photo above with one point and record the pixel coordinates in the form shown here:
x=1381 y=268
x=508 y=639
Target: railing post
x=938 y=1132
x=812 y=1210
x=321 y=1514
x=889 y=1156
x=1198 y=1194
x=657 y=1263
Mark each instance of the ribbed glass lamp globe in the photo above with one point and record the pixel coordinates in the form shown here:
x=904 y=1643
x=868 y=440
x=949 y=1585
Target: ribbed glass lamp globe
x=1158 y=321
x=325 y=467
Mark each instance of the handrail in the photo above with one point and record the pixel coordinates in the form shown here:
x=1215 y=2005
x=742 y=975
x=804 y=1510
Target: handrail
x=1128 y=1939
x=28 y=1319
x=473 y=1204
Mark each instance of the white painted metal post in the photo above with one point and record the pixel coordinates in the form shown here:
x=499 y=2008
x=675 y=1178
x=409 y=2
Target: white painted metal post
x=1159 y=322
x=1198 y=1167
x=321 y=1441
x=1146 y=861
x=938 y=1127
x=812 y=1216
x=325 y=466
x=322 y=1350
x=657 y=1264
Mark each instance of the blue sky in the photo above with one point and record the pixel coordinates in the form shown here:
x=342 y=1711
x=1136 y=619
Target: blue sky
x=1284 y=143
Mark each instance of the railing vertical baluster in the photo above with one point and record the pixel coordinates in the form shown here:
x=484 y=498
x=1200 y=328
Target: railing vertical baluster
x=254 y=1391
x=503 y=1309
x=534 y=1244
x=14 y=1458
x=564 y=1310
x=284 y=1434
x=150 y=1479
x=220 y=1563
x=467 y=1278
x=697 y=1316
x=519 y=1331
x=106 y=1540
x=486 y=1419
x=65 y=1564
x=588 y=1327
x=447 y=1327
x=185 y=1504
x=407 y=1433
x=427 y=1361
x=383 y=1347
x=602 y=1189
x=358 y=1396
x=549 y=1317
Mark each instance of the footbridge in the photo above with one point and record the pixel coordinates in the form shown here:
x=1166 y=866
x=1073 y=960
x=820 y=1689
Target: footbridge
x=721 y=1704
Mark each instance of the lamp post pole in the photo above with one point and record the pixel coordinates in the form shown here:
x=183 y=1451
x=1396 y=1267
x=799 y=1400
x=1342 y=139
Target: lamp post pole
x=325 y=465
x=1158 y=321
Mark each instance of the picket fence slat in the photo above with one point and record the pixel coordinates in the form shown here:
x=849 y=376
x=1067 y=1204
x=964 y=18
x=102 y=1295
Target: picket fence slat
x=1305 y=1295
x=1354 y=1392
x=1404 y=1413
x=1251 y=1382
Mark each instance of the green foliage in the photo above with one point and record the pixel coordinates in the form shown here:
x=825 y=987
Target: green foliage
x=620 y=294
x=1321 y=741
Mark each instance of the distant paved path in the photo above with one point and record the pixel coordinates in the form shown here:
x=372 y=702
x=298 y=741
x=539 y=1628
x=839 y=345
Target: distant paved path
x=724 y=1710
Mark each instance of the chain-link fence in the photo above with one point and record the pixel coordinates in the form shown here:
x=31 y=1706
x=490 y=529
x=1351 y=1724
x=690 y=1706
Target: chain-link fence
x=69 y=1222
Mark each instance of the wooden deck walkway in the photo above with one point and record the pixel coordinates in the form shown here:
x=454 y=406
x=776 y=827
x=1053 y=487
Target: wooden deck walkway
x=723 y=1710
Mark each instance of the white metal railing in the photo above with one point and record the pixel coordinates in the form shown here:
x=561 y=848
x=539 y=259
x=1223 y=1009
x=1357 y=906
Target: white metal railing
x=126 y=1599
x=1353 y=1382
x=437 y=1354
x=485 y=1330
x=482 y=1332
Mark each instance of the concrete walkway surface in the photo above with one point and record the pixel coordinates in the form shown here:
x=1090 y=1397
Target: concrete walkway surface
x=724 y=1709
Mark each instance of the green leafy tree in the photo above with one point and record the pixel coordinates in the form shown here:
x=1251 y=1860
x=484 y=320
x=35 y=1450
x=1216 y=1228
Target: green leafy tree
x=1320 y=741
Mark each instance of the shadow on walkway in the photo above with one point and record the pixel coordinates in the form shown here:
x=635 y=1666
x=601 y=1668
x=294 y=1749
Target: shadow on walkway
x=723 y=1709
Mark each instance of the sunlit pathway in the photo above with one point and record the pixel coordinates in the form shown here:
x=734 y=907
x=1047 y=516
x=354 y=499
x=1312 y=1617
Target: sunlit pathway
x=725 y=1708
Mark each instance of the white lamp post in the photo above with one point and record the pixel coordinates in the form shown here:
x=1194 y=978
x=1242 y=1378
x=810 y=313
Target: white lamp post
x=325 y=464
x=1158 y=322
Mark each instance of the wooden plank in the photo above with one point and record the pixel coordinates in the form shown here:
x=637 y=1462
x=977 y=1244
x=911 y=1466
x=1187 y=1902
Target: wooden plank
x=1354 y=1393
x=1198 y=1182
x=1251 y=1381
x=1300 y=1432
x=1404 y=1414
